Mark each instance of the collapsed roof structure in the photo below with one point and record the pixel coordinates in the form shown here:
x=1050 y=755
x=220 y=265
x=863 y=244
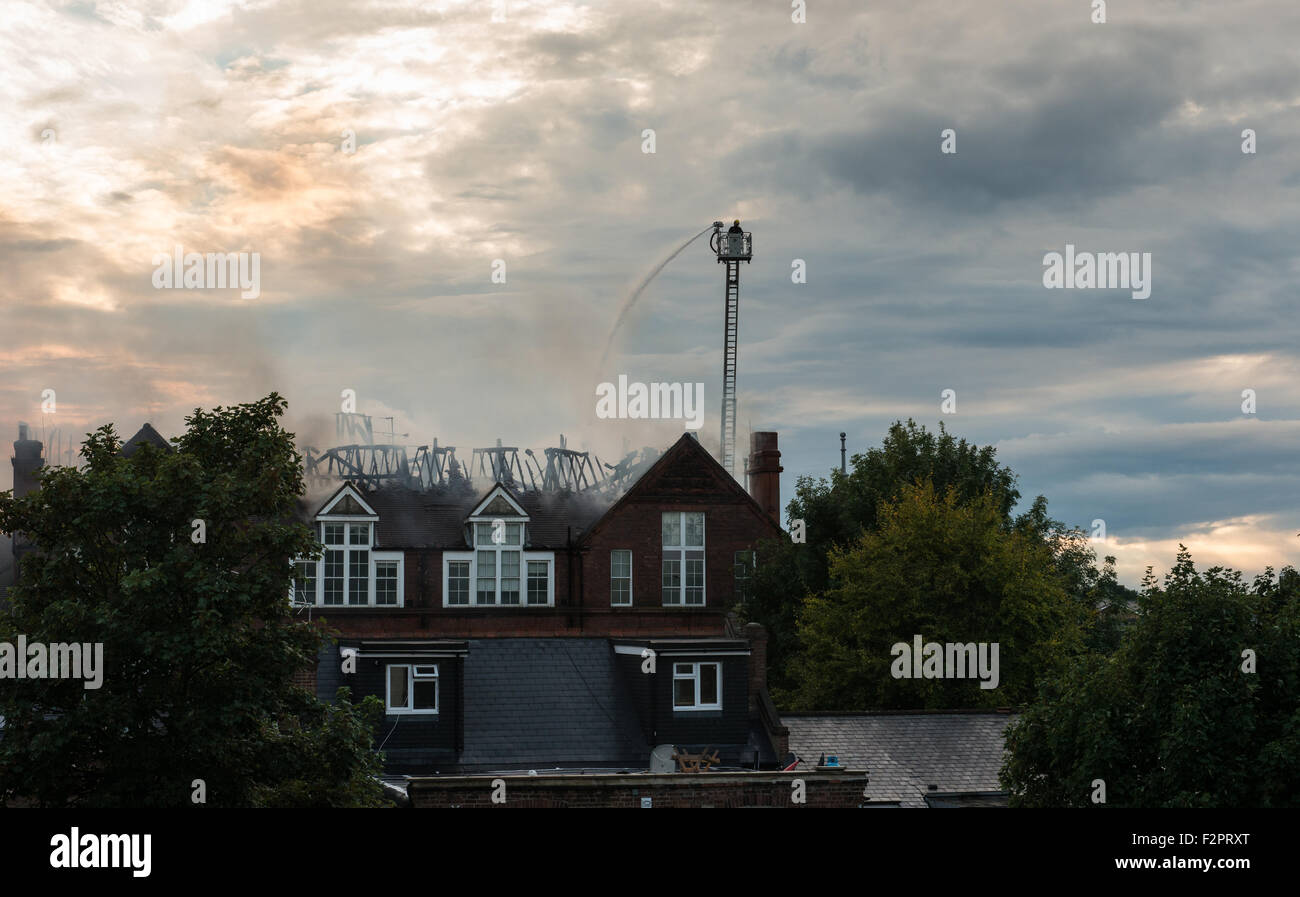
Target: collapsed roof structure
x=435 y=468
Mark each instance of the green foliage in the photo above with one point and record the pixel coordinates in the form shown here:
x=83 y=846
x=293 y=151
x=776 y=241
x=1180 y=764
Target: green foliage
x=839 y=511
x=947 y=568
x=1172 y=719
x=198 y=644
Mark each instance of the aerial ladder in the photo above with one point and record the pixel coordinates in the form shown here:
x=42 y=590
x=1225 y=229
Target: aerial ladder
x=731 y=247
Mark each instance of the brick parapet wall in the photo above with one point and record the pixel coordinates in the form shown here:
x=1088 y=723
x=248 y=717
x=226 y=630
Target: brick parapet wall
x=839 y=788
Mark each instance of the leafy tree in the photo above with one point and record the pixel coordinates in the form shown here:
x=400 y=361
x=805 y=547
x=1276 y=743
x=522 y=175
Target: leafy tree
x=945 y=567
x=1177 y=716
x=839 y=511
x=198 y=645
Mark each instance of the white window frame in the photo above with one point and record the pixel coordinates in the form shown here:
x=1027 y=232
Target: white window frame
x=411 y=677
x=612 y=579
x=695 y=675
x=378 y=557
x=680 y=550
x=471 y=557
x=375 y=557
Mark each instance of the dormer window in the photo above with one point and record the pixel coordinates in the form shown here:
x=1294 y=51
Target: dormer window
x=350 y=571
x=499 y=572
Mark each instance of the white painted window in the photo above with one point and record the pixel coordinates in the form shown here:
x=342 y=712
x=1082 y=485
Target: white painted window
x=457 y=588
x=412 y=688
x=350 y=572
x=498 y=574
x=539 y=582
x=304 y=582
x=620 y=577
x=697 y=686
x=682 y=575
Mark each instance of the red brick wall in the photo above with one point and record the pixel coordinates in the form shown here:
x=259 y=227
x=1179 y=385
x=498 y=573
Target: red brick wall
x=729 y=789
x=534 y=622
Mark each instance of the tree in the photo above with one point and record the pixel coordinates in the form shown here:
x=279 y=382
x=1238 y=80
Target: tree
x=947 y=568
x=178 y=564
x=839 y=511
x=1198 y=707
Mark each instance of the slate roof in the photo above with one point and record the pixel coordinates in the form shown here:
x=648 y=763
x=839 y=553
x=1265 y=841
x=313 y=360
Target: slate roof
x=409 y=518
x=905 y=753
x=539 y=703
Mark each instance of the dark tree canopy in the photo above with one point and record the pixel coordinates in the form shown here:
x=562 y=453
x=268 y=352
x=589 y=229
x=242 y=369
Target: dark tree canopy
x=198 y=642
x=1198 y=707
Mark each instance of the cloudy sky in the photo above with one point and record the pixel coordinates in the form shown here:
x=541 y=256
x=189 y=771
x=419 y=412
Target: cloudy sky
x=514 y=130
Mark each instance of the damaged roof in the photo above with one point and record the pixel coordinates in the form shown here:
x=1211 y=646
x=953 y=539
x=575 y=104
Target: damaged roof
x=413 y=519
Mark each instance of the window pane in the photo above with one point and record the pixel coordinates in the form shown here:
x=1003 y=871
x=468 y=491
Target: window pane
x=397 y=697
x=694 y=577
x=708 y=683
x=458 y=582
x=358 y=577
x=512 y=533
x=482 y=534
x=358 y=533
x=333 y=576
x=333 y=534
x=694 y=527
x=672 y=579
x=620 y=572
x=538 y=574
x=486 y=586
x=385 y=582
x=509 y=577
x=684 y=692
x=304 y=582
x=426 y=670
x=672 y=528
x=620 y=562
x=425 y=694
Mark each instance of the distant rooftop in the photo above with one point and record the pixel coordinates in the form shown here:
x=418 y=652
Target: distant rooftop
x=147 y=435
x=913 y=759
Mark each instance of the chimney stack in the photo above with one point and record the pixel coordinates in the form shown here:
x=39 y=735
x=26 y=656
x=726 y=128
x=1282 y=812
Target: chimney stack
x=765 y=473
x=27 y=460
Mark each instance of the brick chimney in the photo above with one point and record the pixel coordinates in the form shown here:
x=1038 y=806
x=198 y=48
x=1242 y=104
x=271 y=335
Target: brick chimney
x=27 y=460
x=765 y=473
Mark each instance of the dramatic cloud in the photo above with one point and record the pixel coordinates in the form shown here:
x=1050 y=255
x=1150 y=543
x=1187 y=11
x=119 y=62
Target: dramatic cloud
x=379 y=157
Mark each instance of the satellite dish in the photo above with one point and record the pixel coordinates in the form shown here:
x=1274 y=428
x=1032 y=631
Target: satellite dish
x=661 y=758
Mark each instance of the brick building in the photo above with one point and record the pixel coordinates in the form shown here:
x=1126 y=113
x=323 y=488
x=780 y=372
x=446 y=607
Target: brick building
x=510 y=630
